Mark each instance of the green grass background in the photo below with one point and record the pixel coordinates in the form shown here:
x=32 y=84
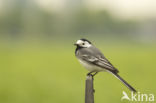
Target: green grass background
x=39 y=73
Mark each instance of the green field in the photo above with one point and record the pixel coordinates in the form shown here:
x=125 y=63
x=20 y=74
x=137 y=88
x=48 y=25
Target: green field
x=39 y=73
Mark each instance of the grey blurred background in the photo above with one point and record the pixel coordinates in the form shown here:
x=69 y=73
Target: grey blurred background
x=48 y=19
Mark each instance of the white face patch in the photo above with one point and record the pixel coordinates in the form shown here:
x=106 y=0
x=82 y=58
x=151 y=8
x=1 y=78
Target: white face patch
x=79 y=42
x=82 y=43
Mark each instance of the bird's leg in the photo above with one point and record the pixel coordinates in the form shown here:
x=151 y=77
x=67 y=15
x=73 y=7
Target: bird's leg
x=90 y=73
x=94 y=74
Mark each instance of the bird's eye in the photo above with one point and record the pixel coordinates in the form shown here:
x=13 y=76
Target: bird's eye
x=83 y=43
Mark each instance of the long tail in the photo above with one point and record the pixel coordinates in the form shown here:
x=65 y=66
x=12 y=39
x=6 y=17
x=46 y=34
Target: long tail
x=124 y=82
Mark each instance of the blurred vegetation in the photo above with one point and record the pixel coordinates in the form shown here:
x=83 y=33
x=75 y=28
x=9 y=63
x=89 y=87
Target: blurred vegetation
x=25 y=19
x=37 y=73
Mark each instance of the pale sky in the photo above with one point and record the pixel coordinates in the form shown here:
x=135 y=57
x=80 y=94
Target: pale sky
x=120 y=8
x=126 y=8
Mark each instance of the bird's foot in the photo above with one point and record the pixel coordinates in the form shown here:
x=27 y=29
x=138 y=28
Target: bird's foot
x=92 y=74
x=89 y=74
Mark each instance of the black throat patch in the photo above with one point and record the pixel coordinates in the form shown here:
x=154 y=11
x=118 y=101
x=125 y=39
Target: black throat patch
x=78 y=48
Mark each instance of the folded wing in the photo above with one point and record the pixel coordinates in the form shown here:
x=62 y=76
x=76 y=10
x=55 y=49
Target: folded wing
x=101 y=62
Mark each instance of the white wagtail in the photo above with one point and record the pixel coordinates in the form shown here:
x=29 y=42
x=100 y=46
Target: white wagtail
x=94 y=61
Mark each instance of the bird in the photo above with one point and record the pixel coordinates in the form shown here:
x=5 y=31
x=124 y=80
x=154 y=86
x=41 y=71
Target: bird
x=94 y=60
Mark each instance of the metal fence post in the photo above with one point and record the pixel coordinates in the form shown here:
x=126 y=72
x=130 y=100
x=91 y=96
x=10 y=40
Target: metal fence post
x=89 y=90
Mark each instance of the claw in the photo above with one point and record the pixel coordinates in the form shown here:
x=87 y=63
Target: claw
x=89 y=74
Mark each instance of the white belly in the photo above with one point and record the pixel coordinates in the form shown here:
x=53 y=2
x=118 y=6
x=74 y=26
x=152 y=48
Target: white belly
x=90 y=67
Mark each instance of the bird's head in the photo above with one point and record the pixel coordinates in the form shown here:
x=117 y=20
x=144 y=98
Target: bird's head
x=83 y=43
